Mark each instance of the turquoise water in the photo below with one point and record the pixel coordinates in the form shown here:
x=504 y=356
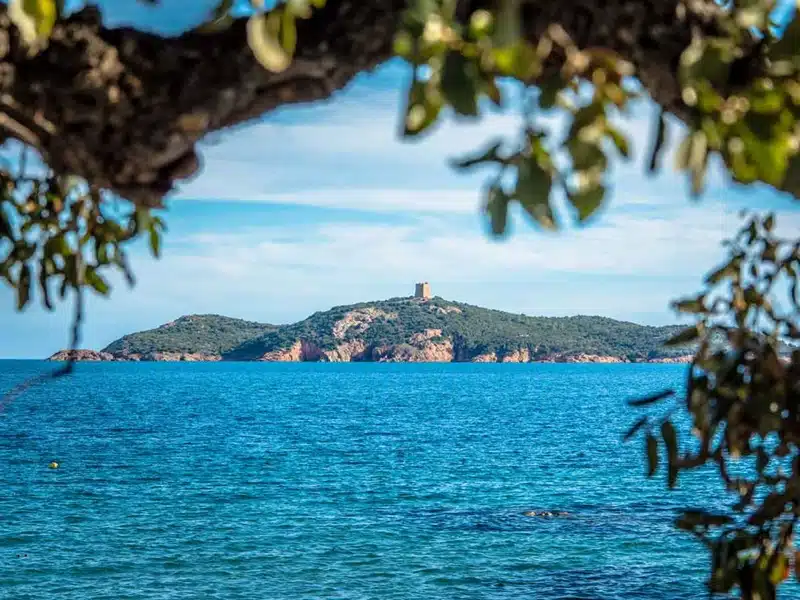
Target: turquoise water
x=357 y=481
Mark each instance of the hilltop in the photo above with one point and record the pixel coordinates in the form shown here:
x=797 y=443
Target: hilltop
x=398 y=330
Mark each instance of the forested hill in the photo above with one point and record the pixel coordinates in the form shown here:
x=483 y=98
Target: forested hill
x=407 y=329
x=399 y=330
x=193 y=334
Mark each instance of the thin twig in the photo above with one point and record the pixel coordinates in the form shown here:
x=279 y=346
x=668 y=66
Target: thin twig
x=69 y=367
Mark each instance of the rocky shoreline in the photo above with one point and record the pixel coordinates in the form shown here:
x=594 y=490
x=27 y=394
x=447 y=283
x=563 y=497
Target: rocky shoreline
x=95 y=356
x=431 y=352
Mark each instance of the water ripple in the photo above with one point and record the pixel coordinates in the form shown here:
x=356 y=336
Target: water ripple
x=390 y=482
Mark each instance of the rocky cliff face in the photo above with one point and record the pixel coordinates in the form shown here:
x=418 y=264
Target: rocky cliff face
x=425 y=351
x=300 y=351
x=353 y=351
x=517 y=356
x=423 y=347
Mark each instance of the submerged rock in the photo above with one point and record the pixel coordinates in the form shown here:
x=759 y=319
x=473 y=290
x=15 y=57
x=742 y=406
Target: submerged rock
x=546 y=513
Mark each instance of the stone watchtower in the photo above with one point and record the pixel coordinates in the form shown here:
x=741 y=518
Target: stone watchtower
x=423 y=290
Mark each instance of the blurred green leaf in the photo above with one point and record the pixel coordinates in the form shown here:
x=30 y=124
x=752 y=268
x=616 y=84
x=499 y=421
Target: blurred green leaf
x=692 y=519
x=96 y=281
x=620 y=142
x=24 y=287
x=647 y=400
x=707 y=59
x=497 y=208
x=460 y=84
x=155 y=242
x=34 y=18
x=651 y=445
x=691 y=306
x=690 y=334
x=670 y=437
x=658 y=142
x=638 y=425
x=587 y=155
x=587 y=201
x=288 y=32
x=548 y=92
x=44 y=281
x=423 y=108
x=490 y=155
x=722 y=273
x=533 y=191
x=780 y=569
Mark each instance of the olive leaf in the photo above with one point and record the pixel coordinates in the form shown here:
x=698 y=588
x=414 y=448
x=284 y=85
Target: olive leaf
x=497 y=202
x=263 y=37
x=651 y=447
x=587 y=201
x=460 y=84
x=34 y=19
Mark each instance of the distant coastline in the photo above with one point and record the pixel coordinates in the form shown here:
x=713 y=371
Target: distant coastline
x=99 y=356
x=416 y=329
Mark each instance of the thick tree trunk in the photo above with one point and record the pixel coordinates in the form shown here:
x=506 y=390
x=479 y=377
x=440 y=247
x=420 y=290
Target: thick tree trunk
x=125 y=109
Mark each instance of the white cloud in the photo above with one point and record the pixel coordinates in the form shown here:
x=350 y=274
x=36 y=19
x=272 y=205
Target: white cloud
x=622 y=244
x=289 y=163
x=381 y=200
x=347 y=154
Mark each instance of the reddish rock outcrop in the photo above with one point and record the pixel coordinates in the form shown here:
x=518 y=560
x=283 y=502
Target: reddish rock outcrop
x=300 y=351
x=354 y=350
x=522 y=355
x=81 y=356
x=428 y=351
x=434 y=352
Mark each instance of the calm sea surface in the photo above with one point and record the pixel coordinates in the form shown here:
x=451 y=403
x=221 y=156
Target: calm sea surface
x=357 y=481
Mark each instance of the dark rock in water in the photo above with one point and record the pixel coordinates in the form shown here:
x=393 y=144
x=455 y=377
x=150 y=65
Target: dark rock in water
x=546 y=513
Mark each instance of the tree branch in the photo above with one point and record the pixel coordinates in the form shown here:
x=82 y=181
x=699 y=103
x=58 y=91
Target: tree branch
x=126 y=108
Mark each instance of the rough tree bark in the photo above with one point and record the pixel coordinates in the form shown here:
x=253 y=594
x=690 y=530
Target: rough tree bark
x=125 y=109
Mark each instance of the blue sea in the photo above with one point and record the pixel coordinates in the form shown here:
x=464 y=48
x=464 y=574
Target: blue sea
x=354 y=481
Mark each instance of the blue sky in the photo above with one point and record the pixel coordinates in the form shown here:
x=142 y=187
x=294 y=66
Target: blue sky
x=320 y=205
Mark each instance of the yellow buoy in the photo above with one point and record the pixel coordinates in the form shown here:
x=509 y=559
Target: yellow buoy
x=53 y=465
